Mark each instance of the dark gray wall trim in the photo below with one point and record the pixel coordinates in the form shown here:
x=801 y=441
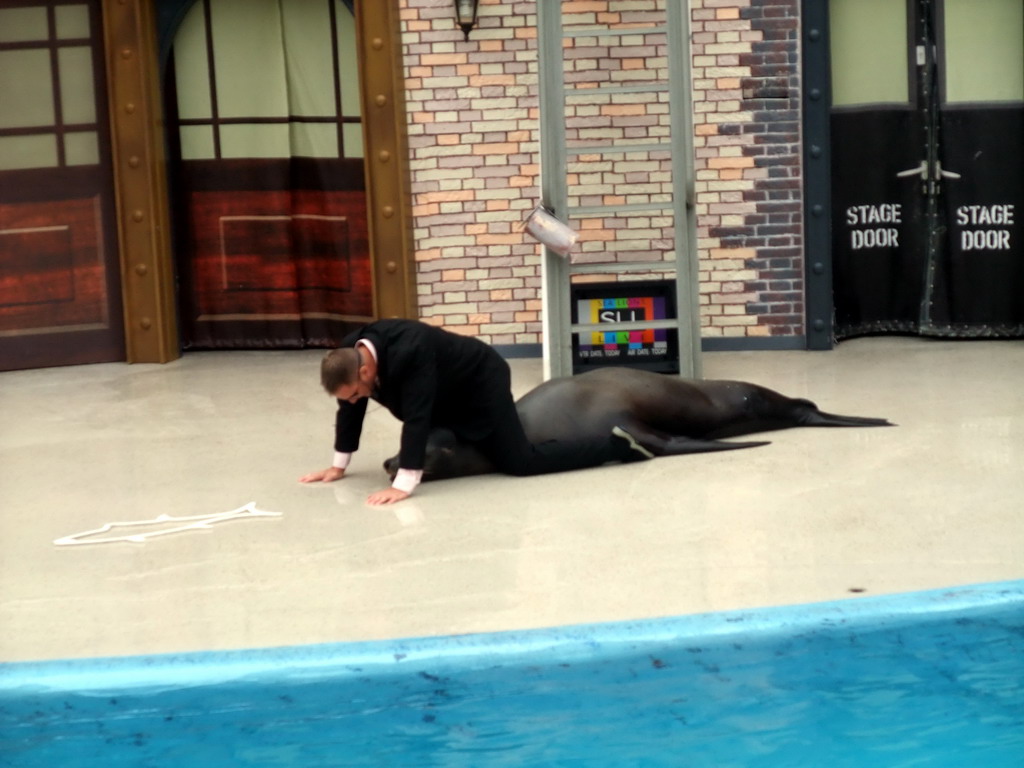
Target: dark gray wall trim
x=517 y=351
x=753 y=343
x=716 y=344
x=169 y=15
x=817 y=98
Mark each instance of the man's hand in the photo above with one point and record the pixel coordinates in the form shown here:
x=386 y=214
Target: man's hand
x=328 y=475
x=387 y=496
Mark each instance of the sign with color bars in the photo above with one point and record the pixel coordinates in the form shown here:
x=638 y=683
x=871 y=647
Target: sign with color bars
x=634 y=309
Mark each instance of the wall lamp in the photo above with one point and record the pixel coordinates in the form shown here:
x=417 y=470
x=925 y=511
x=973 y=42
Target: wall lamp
x=465 y=15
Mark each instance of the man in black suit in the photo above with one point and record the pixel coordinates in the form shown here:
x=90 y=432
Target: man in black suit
x=428 y=377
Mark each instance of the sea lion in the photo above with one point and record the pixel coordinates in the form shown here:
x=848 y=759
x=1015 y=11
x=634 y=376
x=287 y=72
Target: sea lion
x=669 y=415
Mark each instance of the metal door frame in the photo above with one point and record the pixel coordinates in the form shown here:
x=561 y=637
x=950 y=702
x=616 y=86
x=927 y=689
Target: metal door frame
x=816 y=78
x=555 y=269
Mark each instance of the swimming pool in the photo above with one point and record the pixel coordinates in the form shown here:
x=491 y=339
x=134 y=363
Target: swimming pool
x=922 y=679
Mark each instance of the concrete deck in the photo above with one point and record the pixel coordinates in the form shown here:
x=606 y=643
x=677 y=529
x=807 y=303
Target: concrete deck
x=820 y=514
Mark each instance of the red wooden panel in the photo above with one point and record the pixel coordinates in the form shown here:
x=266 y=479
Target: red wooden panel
x=36 y=266
x=51 y=270
x=280 y=253
x=323 y=246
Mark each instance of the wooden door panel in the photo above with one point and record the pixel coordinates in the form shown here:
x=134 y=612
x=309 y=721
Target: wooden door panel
x=280 y=253
x=60 y=290
x=52 y=274
x=323 y=241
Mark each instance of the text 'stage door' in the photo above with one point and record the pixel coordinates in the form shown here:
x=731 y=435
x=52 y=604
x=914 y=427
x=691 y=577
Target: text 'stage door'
x=928 y=167
x=60 y=298
x=271 y=221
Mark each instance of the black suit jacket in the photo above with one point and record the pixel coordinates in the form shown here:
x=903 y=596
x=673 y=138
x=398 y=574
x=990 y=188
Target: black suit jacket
x=428 y=377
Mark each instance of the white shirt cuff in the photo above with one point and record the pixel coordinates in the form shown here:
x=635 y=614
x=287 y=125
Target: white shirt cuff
x=407 y=479
x=341 y=460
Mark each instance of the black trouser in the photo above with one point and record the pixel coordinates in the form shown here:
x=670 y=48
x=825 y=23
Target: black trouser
x=512 y=453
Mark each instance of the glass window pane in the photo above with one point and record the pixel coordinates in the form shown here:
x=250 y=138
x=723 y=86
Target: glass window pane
x=77 y=98
x=72 y=21
x=249 y=59
x=308 y=58
x=26 y=89
x=19 y=25
x=19 y=152
x=81 y=148
x=191 y=67
x=348 y=62
x=869 y=51
x=314 y=139
x=352 y=135
x=197 y=142
x=984 y=50
x=255 y=141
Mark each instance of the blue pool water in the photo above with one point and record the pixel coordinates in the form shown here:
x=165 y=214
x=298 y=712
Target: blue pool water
x=926 y=679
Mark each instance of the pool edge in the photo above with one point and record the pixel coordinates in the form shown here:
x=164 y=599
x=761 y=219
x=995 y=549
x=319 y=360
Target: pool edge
x=394 y=656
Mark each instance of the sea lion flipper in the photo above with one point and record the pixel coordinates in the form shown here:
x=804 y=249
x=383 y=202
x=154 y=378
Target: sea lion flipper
x=661 y=444
x=678 y=446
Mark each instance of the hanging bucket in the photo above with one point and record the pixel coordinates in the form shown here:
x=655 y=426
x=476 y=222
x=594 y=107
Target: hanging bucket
x=556 y=235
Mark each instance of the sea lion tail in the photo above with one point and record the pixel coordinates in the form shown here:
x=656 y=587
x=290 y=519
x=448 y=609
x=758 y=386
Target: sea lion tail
x=818 y=418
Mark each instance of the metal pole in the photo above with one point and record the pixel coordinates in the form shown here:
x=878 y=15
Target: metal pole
x=683 y=188
x=553 y=189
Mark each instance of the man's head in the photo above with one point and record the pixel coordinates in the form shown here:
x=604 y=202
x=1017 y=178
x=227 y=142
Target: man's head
x=348 y=373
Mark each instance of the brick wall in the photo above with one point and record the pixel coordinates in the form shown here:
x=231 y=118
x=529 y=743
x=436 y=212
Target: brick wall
x=473 y=135
x=747 y=122
x=474 y=146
